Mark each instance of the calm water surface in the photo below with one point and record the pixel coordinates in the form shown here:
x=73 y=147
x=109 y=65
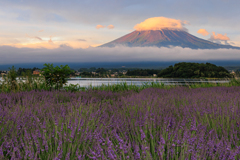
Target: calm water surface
x=84 y=82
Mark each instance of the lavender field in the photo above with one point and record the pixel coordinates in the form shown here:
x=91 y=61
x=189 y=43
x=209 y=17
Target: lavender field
x=159 y=124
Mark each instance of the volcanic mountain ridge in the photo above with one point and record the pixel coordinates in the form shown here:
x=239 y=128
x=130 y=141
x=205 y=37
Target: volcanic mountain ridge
x=165 y=38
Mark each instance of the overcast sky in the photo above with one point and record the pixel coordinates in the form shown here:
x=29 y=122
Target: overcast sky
x=42 y=29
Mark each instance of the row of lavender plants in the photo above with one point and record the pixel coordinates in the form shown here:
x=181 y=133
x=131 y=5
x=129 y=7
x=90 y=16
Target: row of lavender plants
x=178 y=123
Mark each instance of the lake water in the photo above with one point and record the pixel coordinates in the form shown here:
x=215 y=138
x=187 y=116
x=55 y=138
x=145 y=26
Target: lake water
x=85 y=82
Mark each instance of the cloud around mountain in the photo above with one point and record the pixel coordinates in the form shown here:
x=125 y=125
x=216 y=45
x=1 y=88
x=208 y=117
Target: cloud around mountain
x=216 y=38
x=11 y=55
x=219 y=37
x=203 y=32
x=159 y=23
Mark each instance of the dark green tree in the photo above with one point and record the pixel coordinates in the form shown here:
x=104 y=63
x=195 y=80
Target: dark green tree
x=56 y=76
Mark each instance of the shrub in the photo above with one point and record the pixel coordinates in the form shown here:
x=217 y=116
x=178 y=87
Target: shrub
x=56 y=76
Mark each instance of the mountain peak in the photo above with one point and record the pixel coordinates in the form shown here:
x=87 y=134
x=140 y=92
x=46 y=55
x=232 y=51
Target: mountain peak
x=164 y=38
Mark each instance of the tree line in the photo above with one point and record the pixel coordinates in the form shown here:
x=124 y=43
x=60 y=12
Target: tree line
x=194 y=70
x=179 y=70
x=143 y=72
x=26 y=71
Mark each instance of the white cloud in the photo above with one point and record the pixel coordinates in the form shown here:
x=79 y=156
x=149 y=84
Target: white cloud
x=65 y=53
x=81 y=40
x=110 y=26
x=50 y=40
x=100 y=26
x=219 y=37
x=35 y=37
x=158 y=23
x=203 y=32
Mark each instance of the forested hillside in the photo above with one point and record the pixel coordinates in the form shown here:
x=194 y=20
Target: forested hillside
x=194 y=70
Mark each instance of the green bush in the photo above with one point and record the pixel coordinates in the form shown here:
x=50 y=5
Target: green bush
x=56 y=76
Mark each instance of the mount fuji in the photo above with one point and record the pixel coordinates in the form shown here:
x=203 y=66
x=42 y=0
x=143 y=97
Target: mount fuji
x=165 y=38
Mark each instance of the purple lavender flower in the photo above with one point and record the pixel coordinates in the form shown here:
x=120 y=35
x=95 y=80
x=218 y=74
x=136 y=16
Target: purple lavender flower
x=162 y=140
x=143 y=149
x=68 y=156
x=193 y=125
x=143 y=136
x=136 y=152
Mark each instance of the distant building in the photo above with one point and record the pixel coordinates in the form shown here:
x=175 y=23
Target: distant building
x=154 y=75
x=112 y=75
x=36 y=72
x=124 y=73
x=77 y=73
x=5 y=72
